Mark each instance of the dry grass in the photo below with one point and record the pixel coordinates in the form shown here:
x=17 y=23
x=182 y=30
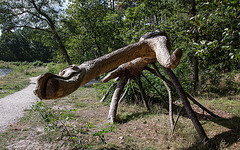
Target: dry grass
x=136 y=128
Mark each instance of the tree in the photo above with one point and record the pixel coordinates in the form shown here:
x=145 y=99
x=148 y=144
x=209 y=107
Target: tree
x=20 y=46
x=33 y=14
x=195 y=35
x=93 y=29
x=217 y=43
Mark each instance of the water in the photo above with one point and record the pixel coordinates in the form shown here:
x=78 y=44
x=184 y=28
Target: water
x=4 y=72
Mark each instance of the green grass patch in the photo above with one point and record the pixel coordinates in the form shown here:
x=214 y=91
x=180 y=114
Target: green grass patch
x=79 y=105
x=21 y=72
x=229 y=104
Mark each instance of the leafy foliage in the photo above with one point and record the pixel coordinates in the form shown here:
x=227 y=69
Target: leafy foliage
x=93 y=28
x=90 y=29
x=19 y=46
x=33 y=14
x=28 y=13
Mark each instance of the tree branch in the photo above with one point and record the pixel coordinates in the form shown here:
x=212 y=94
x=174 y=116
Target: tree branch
x=35 y=28
x=190 y=97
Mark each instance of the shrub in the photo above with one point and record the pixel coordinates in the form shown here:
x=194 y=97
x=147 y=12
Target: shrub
x=37 y=63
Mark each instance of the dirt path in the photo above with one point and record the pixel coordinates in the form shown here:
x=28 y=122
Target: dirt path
x=12 y=106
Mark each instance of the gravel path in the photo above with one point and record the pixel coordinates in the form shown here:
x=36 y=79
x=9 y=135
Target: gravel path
x=12 y=106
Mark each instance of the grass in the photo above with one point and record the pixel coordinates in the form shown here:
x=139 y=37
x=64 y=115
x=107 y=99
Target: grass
x=22 y=71
x=19 y=78
x=136 y=128
x=229 y=104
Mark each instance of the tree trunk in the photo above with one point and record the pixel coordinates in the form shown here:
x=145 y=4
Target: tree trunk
x=187 y=105
x=54 y=32
x=116 y=96
x=195 y=74
x=194 y=58
x=143 y=95
x=62 y=47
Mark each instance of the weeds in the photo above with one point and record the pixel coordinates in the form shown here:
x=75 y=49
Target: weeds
x=58 y=126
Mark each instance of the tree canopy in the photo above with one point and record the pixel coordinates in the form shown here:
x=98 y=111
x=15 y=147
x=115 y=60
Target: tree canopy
x=34 y=14
x=206 y=31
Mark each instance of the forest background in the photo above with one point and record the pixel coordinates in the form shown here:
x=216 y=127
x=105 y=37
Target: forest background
x=206 y=31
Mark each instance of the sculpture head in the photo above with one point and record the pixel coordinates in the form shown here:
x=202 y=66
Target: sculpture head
x=51 y=86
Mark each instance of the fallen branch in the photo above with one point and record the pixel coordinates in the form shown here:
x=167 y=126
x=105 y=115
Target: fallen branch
x=115 y=98
x=169 y=98
x=176 y=121
x=188 y=96
x=125 y=92
x=201 y=106
x=154 y=88
x=107 y=93
x=135 y=95
x=143 y=95
x=186 y=104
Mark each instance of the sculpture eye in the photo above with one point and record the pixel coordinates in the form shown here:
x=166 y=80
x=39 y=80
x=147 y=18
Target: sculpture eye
x=62 y=73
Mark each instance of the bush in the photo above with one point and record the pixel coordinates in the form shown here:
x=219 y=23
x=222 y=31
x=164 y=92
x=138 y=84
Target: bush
x=37 y=63
x=56 y=67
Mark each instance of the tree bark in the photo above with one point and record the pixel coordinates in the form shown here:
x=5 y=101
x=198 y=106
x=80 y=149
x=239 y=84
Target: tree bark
x=195 y=71
x=187 y=105
x=143 y=94
x=116 y=96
